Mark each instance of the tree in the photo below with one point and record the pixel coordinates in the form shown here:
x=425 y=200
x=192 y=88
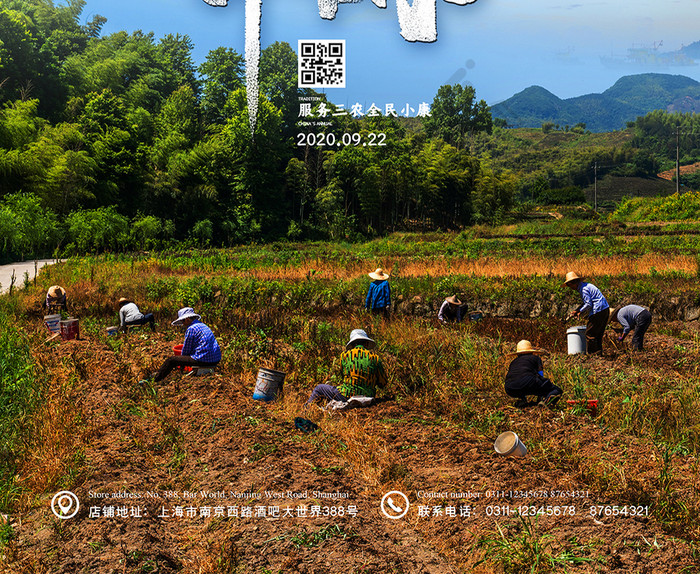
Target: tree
x=176 y=53
x=222 y=73
x=455 y=114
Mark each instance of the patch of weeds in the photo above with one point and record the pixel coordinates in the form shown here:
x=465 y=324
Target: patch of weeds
x=393 y=473
x=7 y=533
x=311 y=539
x=262 y=450
x=252 y=421
x=326 y=470
x=670 y=510
x=523 y=549
x=96 y=546
x=178 y=458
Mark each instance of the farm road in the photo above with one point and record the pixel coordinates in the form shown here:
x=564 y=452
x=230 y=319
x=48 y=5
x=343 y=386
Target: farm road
x=19 y=270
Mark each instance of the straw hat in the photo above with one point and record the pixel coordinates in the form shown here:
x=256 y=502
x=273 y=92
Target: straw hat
x=56 y=291
x=572 y=276
x=453 y=300
x=184 y=314
x=124 y=301
x=613 y=314
x=379 y=274
x=525 y=346
x=357 y=337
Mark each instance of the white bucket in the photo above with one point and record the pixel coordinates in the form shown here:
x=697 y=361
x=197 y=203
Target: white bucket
x=576 y=339
x=268 y=385
x=508 y=443
x=53 y=323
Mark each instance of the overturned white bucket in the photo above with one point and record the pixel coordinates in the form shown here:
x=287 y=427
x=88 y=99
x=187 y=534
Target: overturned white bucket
x=508 y=444
x=576 y=339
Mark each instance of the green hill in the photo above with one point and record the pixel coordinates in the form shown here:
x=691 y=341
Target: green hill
x=628 y=98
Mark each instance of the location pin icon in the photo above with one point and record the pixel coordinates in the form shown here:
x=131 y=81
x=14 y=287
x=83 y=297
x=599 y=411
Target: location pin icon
x=65 y=503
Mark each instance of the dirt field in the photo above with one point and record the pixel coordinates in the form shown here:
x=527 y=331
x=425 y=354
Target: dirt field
x=234 y=467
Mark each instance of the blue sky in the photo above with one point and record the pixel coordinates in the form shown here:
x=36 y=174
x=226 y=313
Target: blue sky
x=498 y=46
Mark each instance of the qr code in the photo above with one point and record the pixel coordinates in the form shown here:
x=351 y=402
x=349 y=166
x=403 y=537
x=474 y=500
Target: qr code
x=321 y=64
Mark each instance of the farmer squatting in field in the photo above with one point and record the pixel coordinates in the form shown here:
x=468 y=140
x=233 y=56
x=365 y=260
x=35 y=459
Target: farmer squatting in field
x=526 y=377
x=56 y=299
x=595 y=307
x=361 y=371
x=452 y=310
x=130 y=315
x=200 y=348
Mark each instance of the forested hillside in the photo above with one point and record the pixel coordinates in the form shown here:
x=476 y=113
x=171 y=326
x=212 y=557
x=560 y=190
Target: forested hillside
x=123 y=142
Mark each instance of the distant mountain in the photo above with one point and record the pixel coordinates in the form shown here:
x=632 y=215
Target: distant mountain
x=628 y=98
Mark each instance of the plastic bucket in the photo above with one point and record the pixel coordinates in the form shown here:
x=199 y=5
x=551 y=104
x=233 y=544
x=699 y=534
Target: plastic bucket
x=177 y=350
x=508 y=444
x=268 y=385
x=53 y=323
x=476 y=316
x=70 y=329
x=111 y=331
x=576 y=339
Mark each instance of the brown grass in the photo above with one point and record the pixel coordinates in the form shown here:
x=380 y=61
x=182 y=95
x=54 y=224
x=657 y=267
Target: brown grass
x=437 y=267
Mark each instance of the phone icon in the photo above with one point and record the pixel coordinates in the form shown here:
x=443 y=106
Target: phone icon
x=394 y=505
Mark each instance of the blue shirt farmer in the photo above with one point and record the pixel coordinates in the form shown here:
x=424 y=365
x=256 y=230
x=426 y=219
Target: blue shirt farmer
x=378 y=295
x=593 y=300
x=200 y=343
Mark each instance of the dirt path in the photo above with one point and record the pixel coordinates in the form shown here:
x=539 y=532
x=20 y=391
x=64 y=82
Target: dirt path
x=19 y=269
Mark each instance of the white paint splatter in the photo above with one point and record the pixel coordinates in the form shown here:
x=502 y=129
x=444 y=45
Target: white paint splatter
x=418 y=22
x=253 y=13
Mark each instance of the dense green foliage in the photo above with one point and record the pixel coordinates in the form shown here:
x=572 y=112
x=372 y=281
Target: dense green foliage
x=676 y=207
x=115 y=139
x=19 y=394
x=122 y=142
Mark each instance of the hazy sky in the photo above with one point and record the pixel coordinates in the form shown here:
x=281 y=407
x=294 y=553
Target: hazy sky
x=498 y=46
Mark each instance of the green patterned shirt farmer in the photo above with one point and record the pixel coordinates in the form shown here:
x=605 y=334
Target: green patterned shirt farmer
x=361 y=371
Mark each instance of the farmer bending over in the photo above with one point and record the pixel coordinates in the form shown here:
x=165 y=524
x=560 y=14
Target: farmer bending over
x=595 y=307
x=632 y=318
x=199 y=350
x=129 y=315
x=526 y=377
x=361 y=371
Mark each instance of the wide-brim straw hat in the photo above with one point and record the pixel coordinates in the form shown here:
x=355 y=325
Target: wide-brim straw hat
x=124 y=301
x=525 y=346
x=184 y=314
x=357 y=337
x=379 y=274
x=572 y=276
x=453 y=300
x=613 y=314
x=56 y=291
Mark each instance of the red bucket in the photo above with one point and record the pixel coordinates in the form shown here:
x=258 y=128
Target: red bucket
x=590 y=404
x=70 y=329
x=177 y=350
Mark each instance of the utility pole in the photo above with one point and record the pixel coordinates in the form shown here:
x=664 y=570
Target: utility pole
x=595 y=187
